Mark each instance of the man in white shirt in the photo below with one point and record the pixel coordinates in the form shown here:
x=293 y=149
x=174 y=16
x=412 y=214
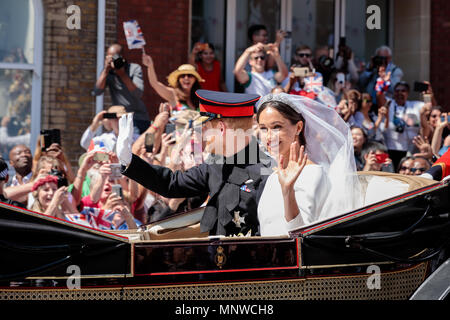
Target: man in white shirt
x=258 y=81
x=21 y=159
x=404 y=122
x=111 y=125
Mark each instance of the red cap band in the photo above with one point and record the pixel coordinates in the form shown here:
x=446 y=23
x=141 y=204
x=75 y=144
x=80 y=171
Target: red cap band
x=239 y=111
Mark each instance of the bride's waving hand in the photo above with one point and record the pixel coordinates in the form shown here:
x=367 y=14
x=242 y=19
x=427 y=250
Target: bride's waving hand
x=288 y=175
x=297 y=161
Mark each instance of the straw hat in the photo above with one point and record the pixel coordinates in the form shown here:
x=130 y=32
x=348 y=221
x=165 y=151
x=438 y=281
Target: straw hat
x=183 y=117
x=183 y=69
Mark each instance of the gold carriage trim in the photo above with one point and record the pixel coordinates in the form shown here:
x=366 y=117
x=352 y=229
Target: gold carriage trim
x=395 y=285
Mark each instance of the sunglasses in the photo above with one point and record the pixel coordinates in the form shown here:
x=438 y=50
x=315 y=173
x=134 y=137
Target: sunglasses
x=404 y=168
x=302 y=55
x=413 y=170
x=187 y=75
x=259 y=57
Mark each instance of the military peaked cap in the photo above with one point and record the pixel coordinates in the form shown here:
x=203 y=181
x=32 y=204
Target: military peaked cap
x=216 y=105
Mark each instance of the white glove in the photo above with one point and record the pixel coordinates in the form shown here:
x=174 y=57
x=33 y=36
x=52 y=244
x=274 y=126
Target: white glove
x=125 y=138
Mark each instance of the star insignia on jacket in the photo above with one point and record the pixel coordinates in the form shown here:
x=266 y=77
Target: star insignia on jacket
x=238 y=219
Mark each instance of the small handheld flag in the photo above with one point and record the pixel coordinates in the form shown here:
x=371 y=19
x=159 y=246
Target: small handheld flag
x=134 y=35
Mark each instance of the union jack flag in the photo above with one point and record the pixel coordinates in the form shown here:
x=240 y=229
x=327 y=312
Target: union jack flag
x=314 y=83
x=98 y=146
x=93 y=217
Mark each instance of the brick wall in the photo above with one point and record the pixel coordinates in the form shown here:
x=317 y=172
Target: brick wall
x=69 y=70
x=440 y=48
x=165 y=25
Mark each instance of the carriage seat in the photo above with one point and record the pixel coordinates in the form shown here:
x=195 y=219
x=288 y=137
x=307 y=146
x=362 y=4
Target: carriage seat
x=378 y=186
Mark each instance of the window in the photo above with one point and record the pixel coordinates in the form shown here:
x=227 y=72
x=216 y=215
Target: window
x=208 y=25
x=20 y=72
x=312 y=23
x=362 y=41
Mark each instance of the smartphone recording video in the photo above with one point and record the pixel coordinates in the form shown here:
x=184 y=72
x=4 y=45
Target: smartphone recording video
x=427 y=98
x=101 y=157
x=149 y=141
x=301 y=72
x=50 y=136
x=381 y=158
x=443 y=118
x=117 y=189
x=340 y=77
x=170 y=127
x=115 y=171
x=420 y=86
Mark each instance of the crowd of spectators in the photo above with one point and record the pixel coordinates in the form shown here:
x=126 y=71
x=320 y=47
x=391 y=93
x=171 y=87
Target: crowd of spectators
x=390 y=132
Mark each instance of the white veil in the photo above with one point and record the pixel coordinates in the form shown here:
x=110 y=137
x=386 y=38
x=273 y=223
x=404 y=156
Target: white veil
x=329 y=143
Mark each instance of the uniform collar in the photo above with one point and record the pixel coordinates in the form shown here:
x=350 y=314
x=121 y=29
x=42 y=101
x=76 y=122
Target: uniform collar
x=248 y=155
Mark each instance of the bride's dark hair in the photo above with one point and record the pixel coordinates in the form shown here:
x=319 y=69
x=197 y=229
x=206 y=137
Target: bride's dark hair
x=287 y=112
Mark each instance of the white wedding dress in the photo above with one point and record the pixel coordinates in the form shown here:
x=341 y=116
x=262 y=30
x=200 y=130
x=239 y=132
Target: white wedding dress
x=311 y=190
x=324 y=190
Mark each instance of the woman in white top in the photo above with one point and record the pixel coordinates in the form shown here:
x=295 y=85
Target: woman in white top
x=316 y=176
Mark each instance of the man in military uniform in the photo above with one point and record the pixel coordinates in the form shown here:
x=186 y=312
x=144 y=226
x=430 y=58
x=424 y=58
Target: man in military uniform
x=234 y=179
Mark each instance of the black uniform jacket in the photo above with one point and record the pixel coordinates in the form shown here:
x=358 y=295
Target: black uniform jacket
x=234 y=185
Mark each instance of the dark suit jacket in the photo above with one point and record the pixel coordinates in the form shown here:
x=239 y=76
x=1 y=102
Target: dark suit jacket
x=236 y=181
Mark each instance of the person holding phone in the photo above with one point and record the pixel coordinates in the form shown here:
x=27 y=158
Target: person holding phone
x=441 y=136
x=50 y=199
x=368 y=78
x=303 y=79
x=376 y=158
x=258 y=33
x=258 y=80
x=345 y=61
x=56 y=151
x=109 y=119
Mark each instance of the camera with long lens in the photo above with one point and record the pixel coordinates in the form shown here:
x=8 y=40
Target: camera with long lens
x=378 y=61
x=62 y=180
x=325 y=62
x=325 y=65
x=118 y=61
x=399 y=125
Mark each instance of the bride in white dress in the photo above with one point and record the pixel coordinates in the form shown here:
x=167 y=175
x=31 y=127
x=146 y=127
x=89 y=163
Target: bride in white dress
x=316 y=175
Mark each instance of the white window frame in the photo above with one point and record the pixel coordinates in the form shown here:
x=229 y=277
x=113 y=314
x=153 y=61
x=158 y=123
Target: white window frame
x=36 y=68
x=285 y=24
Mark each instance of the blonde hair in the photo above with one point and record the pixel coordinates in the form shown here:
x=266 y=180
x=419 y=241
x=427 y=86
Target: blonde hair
x=37 y=206
x=43 y=160
x=38 y=154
